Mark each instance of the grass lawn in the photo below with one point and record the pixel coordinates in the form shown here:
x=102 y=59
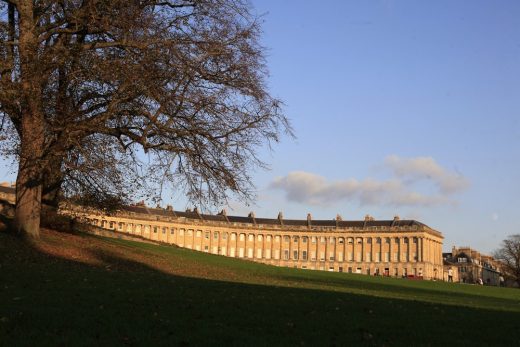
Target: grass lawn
x=85 y=290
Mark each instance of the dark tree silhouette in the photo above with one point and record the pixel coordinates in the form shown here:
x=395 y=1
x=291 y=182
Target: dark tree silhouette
x=86 y=86
x=509 y=255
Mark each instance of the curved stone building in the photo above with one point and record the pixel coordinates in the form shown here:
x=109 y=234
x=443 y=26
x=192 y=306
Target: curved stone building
x=375 y=247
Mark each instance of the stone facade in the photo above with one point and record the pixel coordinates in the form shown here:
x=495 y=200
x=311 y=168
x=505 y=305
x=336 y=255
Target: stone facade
x=397 y=248
x=467 y=265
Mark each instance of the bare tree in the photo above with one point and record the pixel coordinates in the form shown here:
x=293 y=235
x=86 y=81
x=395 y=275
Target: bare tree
x=509 y=255
x=88 y=85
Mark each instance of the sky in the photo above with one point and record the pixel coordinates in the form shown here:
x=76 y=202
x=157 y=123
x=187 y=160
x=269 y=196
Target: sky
x=408 y=108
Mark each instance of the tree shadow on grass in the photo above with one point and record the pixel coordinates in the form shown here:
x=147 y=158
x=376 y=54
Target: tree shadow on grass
x=54 y=301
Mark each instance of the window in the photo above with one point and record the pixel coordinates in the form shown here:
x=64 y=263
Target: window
x=322 y=256
x=206 y=235
x=285 y=254
x=462 y=260
x=378 y=257
x=120 y=226
x=304 y=239
x=323 y=239
x=313 y=239
x=268 y=238
x=286 y=238
x=415 y=240
x=387 y=240
x=242 y=237
x=405 y=240
x=155 y=230
x=251 y=237
x=198 y=233
x=172 y=231
x=332 y=240
x=181 y=232
x=260 y=237
x=349 y=270
x=190 y=232
x=378 y=240
x=350 y=240
x=295 y=239
x=277 y=238
x=304 y=255
x=111 y=225
x=224 y=236
x=331 y=256
x=295 y=255
x=215 y=235
x=369 y=256
x=164 y=230
x=313 y=255
x=233 y=237
x=369 y=240
x=359 y=240
x=350 y=256
x=396 y=240
x=341 y=240
x=387 y=257
x=206 y=248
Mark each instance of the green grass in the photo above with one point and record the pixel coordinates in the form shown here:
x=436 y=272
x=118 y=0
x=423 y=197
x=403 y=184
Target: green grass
x=142 y=294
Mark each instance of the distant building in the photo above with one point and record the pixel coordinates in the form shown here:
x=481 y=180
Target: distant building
x=397 y=248
x=7 y=192
x=467 y=265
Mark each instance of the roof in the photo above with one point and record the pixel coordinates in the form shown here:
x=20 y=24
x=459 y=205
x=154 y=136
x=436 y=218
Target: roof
x=327 y=223
x=8 y=190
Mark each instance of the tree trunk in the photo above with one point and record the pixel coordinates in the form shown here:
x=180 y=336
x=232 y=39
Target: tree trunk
x=29 y=180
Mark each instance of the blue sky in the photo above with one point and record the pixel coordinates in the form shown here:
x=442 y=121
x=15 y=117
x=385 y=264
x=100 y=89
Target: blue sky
x=379 y=87
x=399 y=107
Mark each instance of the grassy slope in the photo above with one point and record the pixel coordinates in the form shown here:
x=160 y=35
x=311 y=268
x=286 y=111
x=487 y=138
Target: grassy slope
x=85 y=290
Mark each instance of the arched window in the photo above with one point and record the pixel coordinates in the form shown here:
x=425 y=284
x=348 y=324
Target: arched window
x=341 y=240
x=296 y=239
